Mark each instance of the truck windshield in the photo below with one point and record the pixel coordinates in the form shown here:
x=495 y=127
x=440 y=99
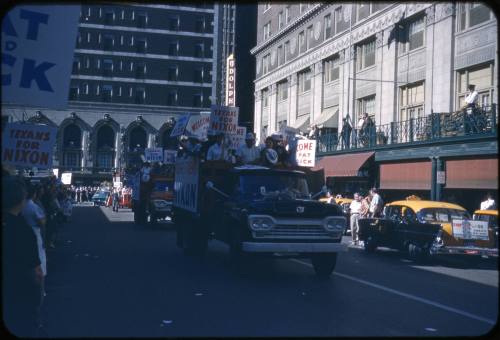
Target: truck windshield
x=274 y=184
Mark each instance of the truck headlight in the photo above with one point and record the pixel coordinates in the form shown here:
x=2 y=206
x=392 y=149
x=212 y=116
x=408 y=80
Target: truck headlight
x=259 y=223
x=333 y=224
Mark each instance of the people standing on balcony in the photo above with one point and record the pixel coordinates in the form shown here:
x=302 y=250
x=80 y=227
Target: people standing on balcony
x=470 y=111
x=314 y=133
x=367 y=130
x=346 y=132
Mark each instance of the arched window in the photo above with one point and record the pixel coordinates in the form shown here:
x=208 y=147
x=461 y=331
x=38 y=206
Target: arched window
x=72 y=147
x=105 y=147
x=138 y=139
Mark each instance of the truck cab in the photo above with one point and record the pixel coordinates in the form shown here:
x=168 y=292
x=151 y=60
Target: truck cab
x=256 y=209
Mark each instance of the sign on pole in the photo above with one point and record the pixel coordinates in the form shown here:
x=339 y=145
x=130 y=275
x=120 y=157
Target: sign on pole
x=306 y=152
x=28 y=145
x=154 y=154
x=224 y=119
x=236 y=140
x=38 y=43
x=198 y=125
x=231 y=81
x=180 y=126
x=441 y=177
x=66 y=178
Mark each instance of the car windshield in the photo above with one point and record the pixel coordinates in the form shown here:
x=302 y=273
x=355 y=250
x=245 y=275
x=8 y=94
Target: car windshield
x=294 y=185
x=442 y=215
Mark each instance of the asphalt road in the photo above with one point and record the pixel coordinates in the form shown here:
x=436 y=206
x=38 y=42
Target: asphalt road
x=110 y=278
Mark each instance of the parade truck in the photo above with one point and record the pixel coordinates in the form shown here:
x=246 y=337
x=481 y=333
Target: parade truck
x=152 y=199
x=254 y=210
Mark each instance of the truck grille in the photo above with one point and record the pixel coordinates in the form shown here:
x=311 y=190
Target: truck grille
x=308 y=230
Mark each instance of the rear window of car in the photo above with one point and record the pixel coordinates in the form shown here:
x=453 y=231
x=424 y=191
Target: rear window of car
x=442 y=215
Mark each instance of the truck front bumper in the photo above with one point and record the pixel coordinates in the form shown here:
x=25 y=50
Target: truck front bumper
x=267 y=247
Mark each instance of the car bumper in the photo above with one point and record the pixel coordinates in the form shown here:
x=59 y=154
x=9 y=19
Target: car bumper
x=267 y=247
x=492 y=252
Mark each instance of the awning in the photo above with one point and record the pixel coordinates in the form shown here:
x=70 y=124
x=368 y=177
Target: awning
x=472 y=174
x=302 y=123
x=343 y=165
x=329 y=118
x=406 y=176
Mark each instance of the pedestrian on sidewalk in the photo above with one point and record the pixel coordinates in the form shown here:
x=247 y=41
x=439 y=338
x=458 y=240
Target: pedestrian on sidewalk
x=116 y=200
x=355 y=209
x=376 y=203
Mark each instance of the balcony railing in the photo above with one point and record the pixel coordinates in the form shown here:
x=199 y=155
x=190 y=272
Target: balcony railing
x=436 y=127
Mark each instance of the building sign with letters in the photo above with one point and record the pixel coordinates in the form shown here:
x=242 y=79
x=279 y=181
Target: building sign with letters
x=28 y=145
x=38 y=43
x=306 y=152
x=231 y=81
x=224 y=119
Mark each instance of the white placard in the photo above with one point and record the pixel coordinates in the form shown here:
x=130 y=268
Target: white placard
x=198 y=125
x=117 y=184
x=38 y=44
x=440 y=177
x=470 y=229
x=55 y=172
x=186 y=183
x=66 y=178
x=153 y=154
x=223 y=119
x=28 y=145
x=306 y=152
x=180 y=126
x=169 y=156
x=235 y=141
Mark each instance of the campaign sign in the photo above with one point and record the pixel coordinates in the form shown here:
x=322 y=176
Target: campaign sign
x=236 y=140
x=306 y=152
x=169 y=156
x=154 y=154
x=186 y=183
x=38 y=43
x=470 y=230
x=28 y=145
x=66 y=178
x=198 y=125
x=180 y=126
x=223 y=119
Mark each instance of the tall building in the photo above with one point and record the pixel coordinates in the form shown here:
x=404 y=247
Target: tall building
x=408 y=65
x=136 y=68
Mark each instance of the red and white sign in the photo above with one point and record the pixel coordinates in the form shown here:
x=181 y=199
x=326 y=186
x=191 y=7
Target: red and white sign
x=231 y=81
x=28 y=145
x=236 y=140
x=223 y=119
x=306 y=152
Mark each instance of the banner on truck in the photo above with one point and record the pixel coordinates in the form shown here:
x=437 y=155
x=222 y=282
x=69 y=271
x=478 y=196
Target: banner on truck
x=180 y=126
x=306 y=152
x=38 y=44
x=236 y=140
x=223 y=119
x=186 y=183
x=28 y=145
x=198 y=125
x=154 y=154
x=470 y=230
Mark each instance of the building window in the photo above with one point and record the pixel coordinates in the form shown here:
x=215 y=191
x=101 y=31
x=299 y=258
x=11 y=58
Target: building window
x=173 y=48
x=199 y=50
x=140 y=95
x=100 y=12
x=265 y=98
x=331 y=69
x=172 y=98
x=107 y=67
x=480 y=76
x=282 y=91
x=302 y=42
x=121 y=40
x=173 y=23
x=130 y=92
x=74 y=91
x=286 y=51
x=280 y=20
x=340 y=23
x=140 y=70
x=309 y=37
x=97 y=90
x=109 y=17
x=302 y=7
x=200 y=24
x=366 y=105
x=411 y=101
x=142 y=19
x=363 y=11
x=281 y=55
x=98 y=63
x=266 y=61
x=109 y=41
x=267 y=5
x=85 y=88
x=198 y=100
x=198 y=75
x=141 y=45
x=267 y=31
x=328 y=26
x=132 y=41
x=305 y=81
x=76 y=65
x=173 y=72
x=365 y=55
x=413 y=35
x=472 y=14
x=119 y=91
x=122 y=15
x=88 y=37
x=287 y=14
x=106 y=93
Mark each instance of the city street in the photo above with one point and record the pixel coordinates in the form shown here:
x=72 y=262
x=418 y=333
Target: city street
x=108 y=277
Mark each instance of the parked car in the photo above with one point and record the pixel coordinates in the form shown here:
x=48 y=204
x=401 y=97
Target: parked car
x=100 y=197
x=426 y=228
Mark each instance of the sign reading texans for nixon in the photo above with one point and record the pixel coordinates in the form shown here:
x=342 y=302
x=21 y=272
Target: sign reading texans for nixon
x=38 y=43
x=224 y=119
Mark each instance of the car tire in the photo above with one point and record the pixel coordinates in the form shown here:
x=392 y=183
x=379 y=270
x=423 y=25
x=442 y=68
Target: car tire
x=370 y=244
x=324 y=264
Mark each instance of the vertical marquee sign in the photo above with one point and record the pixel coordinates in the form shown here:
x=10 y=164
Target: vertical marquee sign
x=231 y=81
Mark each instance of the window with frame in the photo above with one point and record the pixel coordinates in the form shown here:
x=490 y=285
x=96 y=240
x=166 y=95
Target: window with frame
x=172 y=98
x=173 y=23
x=327 y=24
x=173 y=48
x=366 y=104
x=265 y=98
x=281 y=55
x=109 y=41
x=363 y=11
x=309 y=37
x=411 y=101
x=198 y=75
x=286 y=51
x=140 y=95
x=480 y=76
x=302 y=42
x=107 y=67
x=266 y=61
x=140 y=70
x=287 y=14
x=266 y=30
x=85 y=88
x=173 y=73
x=74 y=91
x=199 y=50
x=141 y=45
x=472 y=14
x=198 y=100
x=109 y=16
x=106 y=93
x=331 y=69
x=267 y=5
x=142 y=19
x=365 y=55
x=283 y=91
x=76 y=65
x=199 y=26
x=413 y=35
x=280 y=20
x=341 y=24
x=305 y=81
x=302 y=7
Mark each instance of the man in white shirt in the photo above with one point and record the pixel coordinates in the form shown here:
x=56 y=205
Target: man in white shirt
x=472 y=96
x=376 y=203
x=248 y=153
x=470 y=113
x=217 y=152
x=355 y=208
x=488 y=204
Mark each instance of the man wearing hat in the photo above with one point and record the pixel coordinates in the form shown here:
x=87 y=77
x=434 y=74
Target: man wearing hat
x=248 y=153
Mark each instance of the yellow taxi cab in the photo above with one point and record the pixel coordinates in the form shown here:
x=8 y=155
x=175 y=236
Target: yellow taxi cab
x=490 y=216
x=427 y=228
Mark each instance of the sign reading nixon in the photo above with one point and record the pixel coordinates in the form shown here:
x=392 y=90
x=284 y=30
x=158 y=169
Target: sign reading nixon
x=224 y=119
x=38 y=43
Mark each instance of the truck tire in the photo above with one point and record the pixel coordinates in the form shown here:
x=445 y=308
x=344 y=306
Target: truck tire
x=324 y=264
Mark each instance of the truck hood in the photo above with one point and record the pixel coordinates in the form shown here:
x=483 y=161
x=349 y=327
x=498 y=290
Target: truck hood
x=298 y=208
